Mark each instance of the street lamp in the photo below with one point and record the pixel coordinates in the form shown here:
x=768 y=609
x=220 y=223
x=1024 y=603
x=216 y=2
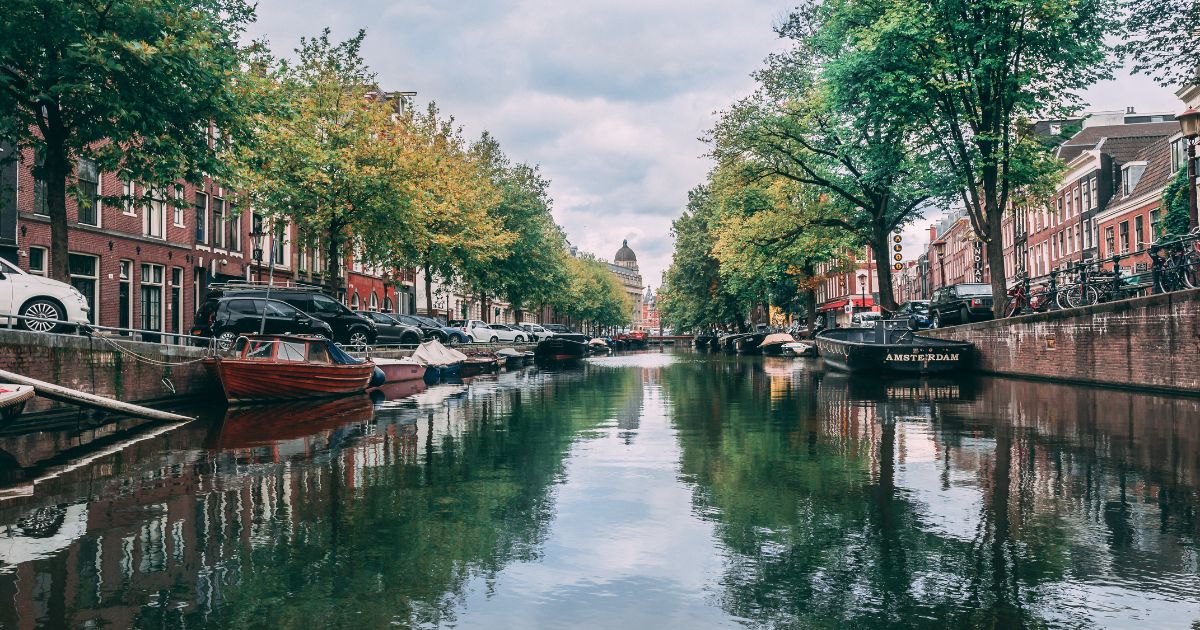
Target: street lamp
x=941 y=251
x=862 y=289
x=1189 y=120
x=256 y=239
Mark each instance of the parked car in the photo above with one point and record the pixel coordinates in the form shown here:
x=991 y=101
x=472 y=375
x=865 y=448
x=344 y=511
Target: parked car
x=513 y=334
x=348 y=327
x=535 y=331
x=229 y=317
x=558 y=329
x=916 y=312
x=483 y=332
x=34 y=296
x=389 y=330
x=432 y=329
x=867 y=319
x=961 y=304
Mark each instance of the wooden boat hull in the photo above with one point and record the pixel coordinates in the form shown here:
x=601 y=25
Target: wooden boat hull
x=923 y=356
x=13 y=398
x=244 y=380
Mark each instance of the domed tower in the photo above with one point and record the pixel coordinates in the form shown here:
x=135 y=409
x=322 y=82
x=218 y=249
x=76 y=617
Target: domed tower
x=625 y=257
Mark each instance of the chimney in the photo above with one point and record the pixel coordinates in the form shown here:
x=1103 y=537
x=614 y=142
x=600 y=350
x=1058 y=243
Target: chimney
x=1129 y=110
x=932 y=233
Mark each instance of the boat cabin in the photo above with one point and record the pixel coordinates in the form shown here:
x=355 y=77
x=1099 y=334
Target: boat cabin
x=282 y=349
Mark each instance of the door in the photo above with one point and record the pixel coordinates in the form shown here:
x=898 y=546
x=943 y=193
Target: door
x=325 y=308
x=125 y=297
x=285 y=318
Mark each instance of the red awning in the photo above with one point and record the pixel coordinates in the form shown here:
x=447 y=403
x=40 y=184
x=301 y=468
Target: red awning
x=829 y=306
x=858 y=301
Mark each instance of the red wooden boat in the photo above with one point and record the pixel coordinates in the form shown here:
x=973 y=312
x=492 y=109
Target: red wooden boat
x=288 y=367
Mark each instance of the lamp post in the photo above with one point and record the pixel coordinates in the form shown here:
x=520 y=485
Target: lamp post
x=256 y=241
x=1189 y=121
x=862 y=289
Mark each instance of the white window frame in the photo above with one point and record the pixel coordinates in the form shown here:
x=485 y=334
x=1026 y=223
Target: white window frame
x=97 y=207
x=128 y=205
x=155 y=210
x=179 y=208
x=45 y=260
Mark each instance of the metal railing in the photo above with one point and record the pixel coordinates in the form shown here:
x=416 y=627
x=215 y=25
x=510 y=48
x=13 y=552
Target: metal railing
x=1092 y=281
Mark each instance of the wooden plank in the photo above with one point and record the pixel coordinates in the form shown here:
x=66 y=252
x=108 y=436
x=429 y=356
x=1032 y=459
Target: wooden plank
x=83 y=399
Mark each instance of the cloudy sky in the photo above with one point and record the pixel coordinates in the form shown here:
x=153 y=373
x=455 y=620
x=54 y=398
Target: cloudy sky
x=609 y=97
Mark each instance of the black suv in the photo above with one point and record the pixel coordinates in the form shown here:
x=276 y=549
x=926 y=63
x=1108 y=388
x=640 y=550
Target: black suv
x=961 y=304
x=227 y=318
x=348 y=327
x=390 y=330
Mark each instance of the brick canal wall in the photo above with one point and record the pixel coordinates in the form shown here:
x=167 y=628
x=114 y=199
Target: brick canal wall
x=1150 y=342
x=94 y=366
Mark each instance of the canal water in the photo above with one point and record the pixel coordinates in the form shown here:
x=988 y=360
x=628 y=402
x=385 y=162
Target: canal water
x=653 y=490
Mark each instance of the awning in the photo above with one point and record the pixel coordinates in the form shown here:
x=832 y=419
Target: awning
x=859 y=301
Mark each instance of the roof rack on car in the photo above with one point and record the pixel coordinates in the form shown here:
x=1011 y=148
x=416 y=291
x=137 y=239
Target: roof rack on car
x=235 y=285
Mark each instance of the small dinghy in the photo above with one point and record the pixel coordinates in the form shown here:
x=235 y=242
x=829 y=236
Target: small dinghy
x=12 y=400
x=399 y=370
x=439 y=361
x=513 y=358
x=773 y=344
x=799 y=349
x=891 y=347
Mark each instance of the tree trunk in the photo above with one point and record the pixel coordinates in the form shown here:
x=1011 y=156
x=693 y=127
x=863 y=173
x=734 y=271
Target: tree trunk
x=55 y=171
x=333 y=251
x=810 y=309
x=428 y=291
x=995 y=259
x=881 y=249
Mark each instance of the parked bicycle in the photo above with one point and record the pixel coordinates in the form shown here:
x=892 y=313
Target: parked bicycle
x=1175 y=263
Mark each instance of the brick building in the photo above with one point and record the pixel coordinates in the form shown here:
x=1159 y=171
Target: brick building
x=148 y=265
x=848 y=286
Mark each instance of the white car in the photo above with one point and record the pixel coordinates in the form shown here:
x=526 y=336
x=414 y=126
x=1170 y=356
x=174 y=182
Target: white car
x=510 y=334
x=536 y=332
x=35 y=296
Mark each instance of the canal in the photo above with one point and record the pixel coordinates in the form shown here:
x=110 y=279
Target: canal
x=654 y=490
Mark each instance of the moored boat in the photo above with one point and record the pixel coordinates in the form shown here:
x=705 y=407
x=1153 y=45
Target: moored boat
x=480 y=362
x=773 y=344
x=440 y=362
x=749 y=343
x=891 y=347
x=398 y=370
x=12 y=400
x=799 y=349
x=288 y=367
x=561 y=348
x=513 y=358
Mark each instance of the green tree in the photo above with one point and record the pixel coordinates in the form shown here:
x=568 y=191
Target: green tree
x=328 y=156
x=972 y=71
x=818 y=119
x=593 y=294
x=1162 y=39
x=532 y=268
x=1177 y=216
x=133 y=86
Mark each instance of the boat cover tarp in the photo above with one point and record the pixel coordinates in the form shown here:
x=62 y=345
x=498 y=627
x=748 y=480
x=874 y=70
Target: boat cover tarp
x=777 y=338
x=510 y=352
x=432 y=352
x=339 y=356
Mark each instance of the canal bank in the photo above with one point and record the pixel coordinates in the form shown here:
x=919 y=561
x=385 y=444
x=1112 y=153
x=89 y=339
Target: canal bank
x=1150 y=343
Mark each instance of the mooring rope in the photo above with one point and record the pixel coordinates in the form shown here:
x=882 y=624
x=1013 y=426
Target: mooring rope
x=144 y=359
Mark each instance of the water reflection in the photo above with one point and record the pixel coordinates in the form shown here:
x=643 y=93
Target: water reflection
x=652 y=489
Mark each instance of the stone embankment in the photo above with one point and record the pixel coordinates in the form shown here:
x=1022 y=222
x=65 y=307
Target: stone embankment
x=1148 y=343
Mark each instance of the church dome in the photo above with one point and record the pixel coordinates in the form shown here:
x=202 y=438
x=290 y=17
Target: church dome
x=625 y=254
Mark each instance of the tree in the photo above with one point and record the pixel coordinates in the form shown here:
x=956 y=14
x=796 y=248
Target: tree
x=1162 y=38
x=782 y=240
x=818 y=119
x=532 y=268
x=457 y=232
x=132 y=86
x=695 y=295
x=329 y=156
x=593 y=294
x=1177 y=216
x=972 y=71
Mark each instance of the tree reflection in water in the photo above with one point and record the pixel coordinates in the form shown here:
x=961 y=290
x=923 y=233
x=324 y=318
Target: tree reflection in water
x=982 y=503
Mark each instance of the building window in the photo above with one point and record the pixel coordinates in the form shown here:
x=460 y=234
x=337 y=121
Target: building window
x=1095 y=192
x=154 y=217
x=1070 y=206
x=1124 y=228
x=374 y=303
x=1109 y=242
x=128 y=203
x=1139 y=234
x=177 y=209
x=1178 y=154
x=1070 y=240
x=279 y=244
x=201 y=206
x=41 y=205
x=88 y=181
x=37 y=261
x=233 y=236
x=354 y=302
x=387 y=304
x=218 y=223
x=1087 y=194
x=1154 y=217
x=85 y=275
x=152 y=297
